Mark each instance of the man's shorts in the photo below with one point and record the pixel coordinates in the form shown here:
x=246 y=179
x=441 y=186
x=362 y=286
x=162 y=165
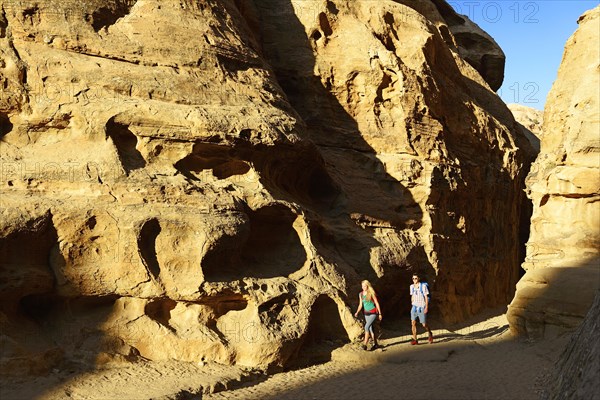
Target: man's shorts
x=418 y=312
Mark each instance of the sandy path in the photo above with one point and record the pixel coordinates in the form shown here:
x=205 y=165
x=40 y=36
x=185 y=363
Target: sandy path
x=479 y=361
x=482 y=363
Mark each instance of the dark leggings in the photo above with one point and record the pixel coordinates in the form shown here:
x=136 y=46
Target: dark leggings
x=369 y=319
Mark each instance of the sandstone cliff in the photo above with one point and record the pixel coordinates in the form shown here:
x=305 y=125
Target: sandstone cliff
x=210 y=180
x=562 y=261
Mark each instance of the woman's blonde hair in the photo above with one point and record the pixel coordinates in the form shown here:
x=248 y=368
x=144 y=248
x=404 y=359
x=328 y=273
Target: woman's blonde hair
x=370 y=291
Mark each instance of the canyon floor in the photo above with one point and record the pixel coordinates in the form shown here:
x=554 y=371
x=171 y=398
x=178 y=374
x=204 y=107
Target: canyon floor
x=479 y=359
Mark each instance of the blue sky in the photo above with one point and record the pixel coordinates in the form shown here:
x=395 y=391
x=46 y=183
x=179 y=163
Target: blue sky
x=532 y=34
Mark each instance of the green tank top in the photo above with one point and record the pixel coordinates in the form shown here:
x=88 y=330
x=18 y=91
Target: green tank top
x=368 y=305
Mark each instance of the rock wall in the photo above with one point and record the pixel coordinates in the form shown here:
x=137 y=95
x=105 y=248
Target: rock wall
x=577 y=372
x=563 y=264
x=211 y=180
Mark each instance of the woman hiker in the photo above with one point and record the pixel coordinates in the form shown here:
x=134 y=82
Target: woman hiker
x=367 y=301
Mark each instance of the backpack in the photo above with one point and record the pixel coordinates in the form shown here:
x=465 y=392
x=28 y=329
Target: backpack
x=428 y=291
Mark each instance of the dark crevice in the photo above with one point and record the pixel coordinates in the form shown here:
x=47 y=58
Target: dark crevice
x=3 y=23
x=126 y=143
x=390 y=21
x=5 y=125
x=387 y=42
x=147 y=247
x=91 y=223
x=331 y=7
x=325 y=25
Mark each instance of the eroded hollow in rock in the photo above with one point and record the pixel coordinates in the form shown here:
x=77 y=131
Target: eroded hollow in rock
x=126 y=143
x=277 y=310
x=159 y=310
x=208 y=157
x=25 y=262
x=270 y=247
x=147 y=246
x=301 y=174
x=225 y=302
x=325 y=332
x=109 y=14
x=5 y=125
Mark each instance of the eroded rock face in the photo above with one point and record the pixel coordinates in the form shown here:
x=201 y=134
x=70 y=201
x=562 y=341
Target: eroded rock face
x=562 y=261
x=575 y=375
x=475 y=45
x=211 y=180
x=532 y=120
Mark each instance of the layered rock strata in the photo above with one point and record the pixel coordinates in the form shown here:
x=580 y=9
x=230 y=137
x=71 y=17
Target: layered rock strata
x=563 y=264
x=211 y=180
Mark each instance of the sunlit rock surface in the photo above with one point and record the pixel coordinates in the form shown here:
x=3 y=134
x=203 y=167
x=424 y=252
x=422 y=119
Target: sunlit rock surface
x=562 y=264
x=211 y=180
x=532 y=120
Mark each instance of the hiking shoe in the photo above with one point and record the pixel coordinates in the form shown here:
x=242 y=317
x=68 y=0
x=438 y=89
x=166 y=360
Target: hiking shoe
x=430 y=339
x=413 y=342
x=374 y=347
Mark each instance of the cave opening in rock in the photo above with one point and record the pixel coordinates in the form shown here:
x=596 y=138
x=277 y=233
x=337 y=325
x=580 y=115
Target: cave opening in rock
x=325 y=333
x=269 y=248
x=273 y=247
x=126 y=143
x=147 y=246
x=37 y=306
x=25 y=263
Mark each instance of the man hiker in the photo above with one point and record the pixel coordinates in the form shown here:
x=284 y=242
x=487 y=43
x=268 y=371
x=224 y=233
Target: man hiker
x=419 y=295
